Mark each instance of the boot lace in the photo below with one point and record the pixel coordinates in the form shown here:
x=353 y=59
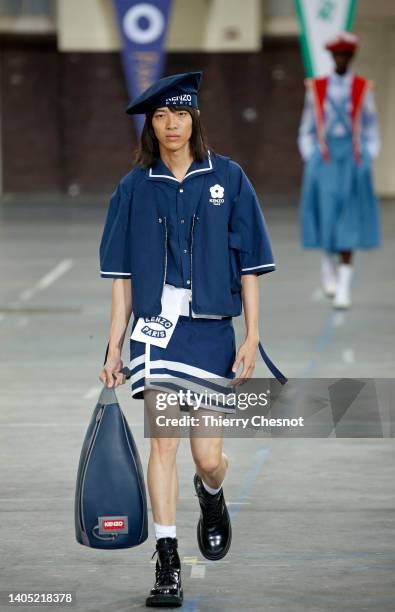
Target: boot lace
x=165 y=570
x=213 y=511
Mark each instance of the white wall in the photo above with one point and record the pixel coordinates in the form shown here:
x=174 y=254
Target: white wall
x=87 y=25
x=376 y=60
x=195 y=25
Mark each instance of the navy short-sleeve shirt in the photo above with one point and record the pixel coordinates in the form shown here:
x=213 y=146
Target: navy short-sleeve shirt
x=227 y=201
x=178 y=203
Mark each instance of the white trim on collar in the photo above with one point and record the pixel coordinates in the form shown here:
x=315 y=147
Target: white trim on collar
x=173 y=178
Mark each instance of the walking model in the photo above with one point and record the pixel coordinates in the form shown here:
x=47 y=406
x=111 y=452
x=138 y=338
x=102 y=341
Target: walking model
x=338 y=139
x=185 y=241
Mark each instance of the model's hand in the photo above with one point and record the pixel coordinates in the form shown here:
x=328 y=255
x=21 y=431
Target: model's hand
x=247 y=355
x=111 y=374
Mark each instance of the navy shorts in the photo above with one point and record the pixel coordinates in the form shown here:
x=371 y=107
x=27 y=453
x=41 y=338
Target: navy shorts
x=200 y=355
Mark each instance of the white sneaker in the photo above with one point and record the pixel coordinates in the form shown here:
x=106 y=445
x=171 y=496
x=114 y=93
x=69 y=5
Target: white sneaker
x=328 y=275
x=343 y=291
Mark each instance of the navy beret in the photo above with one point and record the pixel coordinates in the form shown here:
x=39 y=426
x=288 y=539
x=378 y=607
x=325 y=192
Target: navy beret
x=175 y=90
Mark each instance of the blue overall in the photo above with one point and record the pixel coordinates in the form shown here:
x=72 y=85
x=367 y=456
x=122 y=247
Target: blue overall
x=339 y=210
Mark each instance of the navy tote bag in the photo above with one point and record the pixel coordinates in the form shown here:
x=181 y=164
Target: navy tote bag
x=110 y=508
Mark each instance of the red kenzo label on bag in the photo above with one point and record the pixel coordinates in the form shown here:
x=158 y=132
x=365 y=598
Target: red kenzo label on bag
x=110 y=525
x=113 y=524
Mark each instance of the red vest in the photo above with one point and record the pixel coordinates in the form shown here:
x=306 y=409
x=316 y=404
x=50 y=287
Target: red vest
x=319 y=87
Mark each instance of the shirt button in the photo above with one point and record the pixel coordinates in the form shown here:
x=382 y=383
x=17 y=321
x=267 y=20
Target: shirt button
x=181 y=220
x=188 y=282
x=181 y=191
x=185 y=251
x=160 y=220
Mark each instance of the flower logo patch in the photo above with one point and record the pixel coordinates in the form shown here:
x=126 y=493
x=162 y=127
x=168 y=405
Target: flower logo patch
x=217 y=194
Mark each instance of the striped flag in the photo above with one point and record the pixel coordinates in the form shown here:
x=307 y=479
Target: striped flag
x=320 y=20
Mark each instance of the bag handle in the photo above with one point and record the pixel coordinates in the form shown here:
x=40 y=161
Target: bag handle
x=125 y=370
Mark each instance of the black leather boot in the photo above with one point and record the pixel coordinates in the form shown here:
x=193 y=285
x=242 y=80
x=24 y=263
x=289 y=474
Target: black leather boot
x=167 y=590
x=214 y=530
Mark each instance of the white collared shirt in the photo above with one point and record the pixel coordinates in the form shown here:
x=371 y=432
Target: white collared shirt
x=178 y=300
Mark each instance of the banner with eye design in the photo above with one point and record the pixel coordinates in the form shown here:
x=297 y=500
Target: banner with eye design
x=143 y=27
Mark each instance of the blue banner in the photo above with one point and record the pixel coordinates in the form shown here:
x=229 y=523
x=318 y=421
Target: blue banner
x=143 y=27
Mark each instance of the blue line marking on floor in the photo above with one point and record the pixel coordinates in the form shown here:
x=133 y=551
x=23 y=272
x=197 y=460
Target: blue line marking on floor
x=249 y=480
x=324 y=338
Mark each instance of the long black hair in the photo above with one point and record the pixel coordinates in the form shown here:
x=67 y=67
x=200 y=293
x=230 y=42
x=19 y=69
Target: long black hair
x=148 y=150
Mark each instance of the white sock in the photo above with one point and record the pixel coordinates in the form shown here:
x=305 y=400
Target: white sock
x=328 y=273
x=343 y=293
x=164 y=531
x=210 y=489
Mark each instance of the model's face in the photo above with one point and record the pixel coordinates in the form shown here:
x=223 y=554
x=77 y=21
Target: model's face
x=342 y=60
x=172 y=129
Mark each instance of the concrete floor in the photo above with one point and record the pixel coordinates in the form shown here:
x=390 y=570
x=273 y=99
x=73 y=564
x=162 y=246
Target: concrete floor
x=313 y=519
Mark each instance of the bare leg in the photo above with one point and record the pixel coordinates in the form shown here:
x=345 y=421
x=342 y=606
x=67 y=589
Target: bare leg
x=345 y=257
x=345 y=271
x=210 y=461
x=162 y=475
